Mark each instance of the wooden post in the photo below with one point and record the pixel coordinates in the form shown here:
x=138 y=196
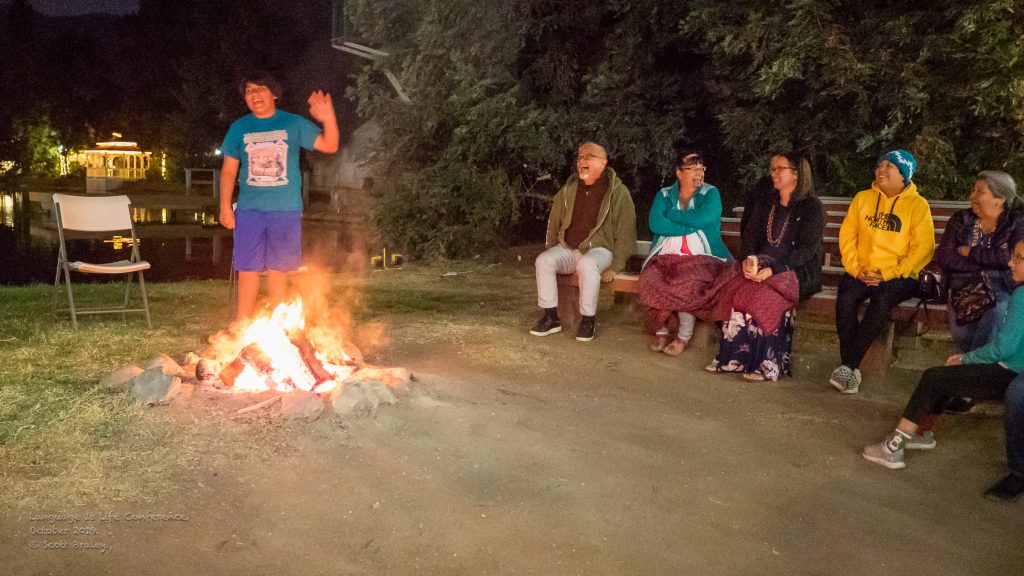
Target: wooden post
x=568 y=300
x=879 y=357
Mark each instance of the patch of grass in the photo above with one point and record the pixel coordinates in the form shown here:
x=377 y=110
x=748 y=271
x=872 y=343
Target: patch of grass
x=476 y=288
x=63 y=439
x=61 y=436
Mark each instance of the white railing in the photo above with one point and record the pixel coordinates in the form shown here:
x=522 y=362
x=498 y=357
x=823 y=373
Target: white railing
x=121 y=173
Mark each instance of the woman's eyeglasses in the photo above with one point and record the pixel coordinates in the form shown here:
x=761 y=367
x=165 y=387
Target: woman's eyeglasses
x=780 y=169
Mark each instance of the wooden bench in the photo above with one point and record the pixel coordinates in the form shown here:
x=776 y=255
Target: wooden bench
x=835 y=210
x=822 y=304
x=917 y=318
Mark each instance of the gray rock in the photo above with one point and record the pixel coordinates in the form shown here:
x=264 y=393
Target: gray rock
x=154 y=386
x=300 y=404
x=384 y=394
x=391 y=377
x=360 y=398
x=119 y=378
x=168 y=365
x=354 y=399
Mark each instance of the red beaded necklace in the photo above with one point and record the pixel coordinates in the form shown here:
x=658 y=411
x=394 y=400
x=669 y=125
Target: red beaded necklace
x=771 y=221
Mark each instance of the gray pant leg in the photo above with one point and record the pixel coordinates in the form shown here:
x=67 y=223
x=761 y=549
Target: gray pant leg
x=555 y=260
x=589 y=269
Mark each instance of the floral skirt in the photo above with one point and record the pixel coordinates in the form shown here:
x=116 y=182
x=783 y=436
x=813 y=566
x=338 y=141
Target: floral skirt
x=745 y=348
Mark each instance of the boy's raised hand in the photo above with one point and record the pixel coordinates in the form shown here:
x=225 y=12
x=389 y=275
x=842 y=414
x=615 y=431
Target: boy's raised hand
x=321 y=107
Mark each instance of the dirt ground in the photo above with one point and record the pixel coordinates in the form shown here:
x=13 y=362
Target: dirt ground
x=512 y=454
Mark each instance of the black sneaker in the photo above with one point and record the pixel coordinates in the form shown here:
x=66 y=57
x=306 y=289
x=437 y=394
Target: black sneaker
x=546 y=325
x=1006 y=490
x=586 y=331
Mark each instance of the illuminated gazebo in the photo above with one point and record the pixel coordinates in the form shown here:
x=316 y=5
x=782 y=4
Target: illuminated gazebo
x=113 y=163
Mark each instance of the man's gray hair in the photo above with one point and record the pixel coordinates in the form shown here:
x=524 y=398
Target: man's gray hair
x=595 y=145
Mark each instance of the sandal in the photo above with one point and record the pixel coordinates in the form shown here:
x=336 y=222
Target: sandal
x=660 y=341
x=713 y=367
x=754 y=377
x=675 y=347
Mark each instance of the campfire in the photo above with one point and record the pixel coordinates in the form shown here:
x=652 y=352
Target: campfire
x=275 y=353
x=305 y=368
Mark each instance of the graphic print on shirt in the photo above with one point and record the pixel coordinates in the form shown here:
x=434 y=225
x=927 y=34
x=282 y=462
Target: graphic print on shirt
x=268 y=158
x=887 y=222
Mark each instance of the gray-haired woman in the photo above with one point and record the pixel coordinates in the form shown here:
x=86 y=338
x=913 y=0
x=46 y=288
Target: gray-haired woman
x=974 y=252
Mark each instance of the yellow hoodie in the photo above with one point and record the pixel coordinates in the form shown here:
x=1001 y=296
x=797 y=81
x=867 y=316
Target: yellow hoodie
x=895 y=235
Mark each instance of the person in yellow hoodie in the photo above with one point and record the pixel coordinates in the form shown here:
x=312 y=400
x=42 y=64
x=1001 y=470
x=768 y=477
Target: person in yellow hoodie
x=885 y=240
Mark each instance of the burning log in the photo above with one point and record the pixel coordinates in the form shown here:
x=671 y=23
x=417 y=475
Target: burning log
x=207 y=370
x=307 y=352
x=251 y=355
x=277 y=354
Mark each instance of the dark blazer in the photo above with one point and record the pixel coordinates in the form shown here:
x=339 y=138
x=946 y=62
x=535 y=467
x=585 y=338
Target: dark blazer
x=959 y=270
x=807 y=254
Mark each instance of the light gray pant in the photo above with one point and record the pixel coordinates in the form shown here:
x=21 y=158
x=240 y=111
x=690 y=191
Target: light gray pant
x=686 y=323
x=561 y=260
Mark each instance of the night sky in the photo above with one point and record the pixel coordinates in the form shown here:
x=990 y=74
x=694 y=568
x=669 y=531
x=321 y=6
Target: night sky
x=76 y=7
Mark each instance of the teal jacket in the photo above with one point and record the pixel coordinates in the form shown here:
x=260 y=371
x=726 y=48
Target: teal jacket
x=1007 y=346
x=703 y=215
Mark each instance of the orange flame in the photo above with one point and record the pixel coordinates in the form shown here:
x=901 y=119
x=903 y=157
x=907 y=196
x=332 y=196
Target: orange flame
x=287 y=369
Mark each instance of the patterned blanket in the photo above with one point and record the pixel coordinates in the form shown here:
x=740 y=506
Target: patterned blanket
x=710 y=289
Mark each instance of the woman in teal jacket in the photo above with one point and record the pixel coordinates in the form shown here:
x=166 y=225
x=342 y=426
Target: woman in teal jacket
x=686 y=220
x=983 y=373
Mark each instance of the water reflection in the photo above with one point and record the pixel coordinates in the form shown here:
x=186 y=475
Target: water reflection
x=182 y=243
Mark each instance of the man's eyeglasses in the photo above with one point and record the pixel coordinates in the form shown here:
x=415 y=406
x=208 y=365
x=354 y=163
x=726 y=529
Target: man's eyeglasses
x=694 y=168
x=588 y=157
x=780 y=169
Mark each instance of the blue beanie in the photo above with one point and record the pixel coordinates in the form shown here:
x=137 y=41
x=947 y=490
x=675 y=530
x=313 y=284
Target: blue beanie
x=904 y=161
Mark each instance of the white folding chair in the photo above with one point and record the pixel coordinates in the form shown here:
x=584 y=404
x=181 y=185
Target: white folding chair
x=97 y=214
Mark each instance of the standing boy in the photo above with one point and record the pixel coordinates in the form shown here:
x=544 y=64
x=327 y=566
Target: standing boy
x=268 y=218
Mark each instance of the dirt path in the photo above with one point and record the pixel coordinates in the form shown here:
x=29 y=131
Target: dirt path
x=518 y=455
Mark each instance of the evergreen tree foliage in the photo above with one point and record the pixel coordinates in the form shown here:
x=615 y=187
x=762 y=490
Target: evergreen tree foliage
x=505 y=92
x=509 y=89
x=843 y=81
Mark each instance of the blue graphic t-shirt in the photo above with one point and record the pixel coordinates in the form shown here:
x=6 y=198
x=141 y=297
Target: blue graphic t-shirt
x=267 y=150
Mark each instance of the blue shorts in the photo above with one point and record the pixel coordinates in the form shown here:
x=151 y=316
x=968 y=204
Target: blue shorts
x=267 y=241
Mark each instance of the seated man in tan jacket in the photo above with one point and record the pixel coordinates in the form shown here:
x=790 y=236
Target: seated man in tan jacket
x=591 y=232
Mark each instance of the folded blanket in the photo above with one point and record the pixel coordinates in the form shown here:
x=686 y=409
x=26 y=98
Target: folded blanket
x=710 y=289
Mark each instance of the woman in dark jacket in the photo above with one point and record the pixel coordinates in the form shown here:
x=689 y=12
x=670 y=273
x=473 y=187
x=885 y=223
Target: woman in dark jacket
x=782 y=228
x=807 y=249
x=974 y=252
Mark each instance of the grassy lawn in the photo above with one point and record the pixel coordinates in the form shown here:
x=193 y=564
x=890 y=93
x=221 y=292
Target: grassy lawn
x=63 y=437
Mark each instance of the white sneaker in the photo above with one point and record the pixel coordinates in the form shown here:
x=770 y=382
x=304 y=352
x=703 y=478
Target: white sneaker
x=845 y=379
x=880 y=454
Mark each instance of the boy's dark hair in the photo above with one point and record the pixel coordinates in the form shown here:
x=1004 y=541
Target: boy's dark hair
x=260 y=78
